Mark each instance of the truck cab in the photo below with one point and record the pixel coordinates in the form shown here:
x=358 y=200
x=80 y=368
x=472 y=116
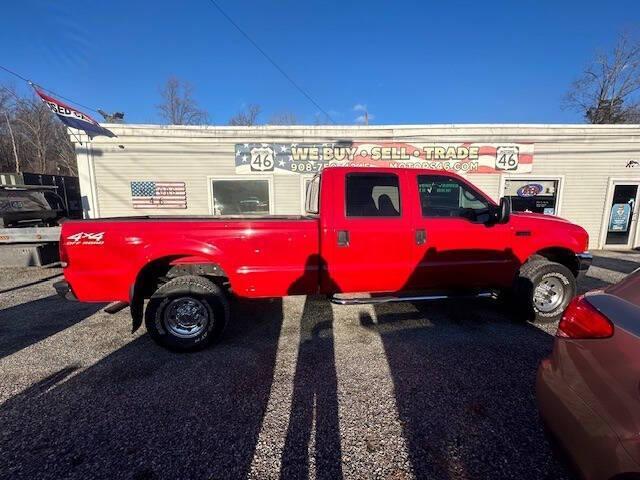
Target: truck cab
x=411 y=230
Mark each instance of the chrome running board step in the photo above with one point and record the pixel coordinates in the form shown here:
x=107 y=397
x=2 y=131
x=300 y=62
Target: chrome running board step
x=115 y=307
x=344 y=300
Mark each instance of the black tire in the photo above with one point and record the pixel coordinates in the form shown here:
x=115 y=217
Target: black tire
x=548 y=303
x=186 y=313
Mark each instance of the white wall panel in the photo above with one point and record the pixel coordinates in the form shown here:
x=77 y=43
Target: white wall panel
x=586 y=155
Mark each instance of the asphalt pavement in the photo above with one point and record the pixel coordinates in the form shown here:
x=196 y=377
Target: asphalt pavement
x=297 y=388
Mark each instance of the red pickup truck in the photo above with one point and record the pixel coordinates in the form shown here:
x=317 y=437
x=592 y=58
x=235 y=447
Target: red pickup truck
x=396 y=234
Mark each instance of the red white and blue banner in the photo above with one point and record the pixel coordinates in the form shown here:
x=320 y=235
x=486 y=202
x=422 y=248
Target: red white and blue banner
x=461 y=158
x=74 y=118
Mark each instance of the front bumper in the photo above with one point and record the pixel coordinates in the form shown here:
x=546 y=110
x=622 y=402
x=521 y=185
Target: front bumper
x=584 y=262
x=63 y=289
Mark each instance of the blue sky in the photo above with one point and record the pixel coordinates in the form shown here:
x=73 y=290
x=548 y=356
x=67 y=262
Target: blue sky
x=408 y=62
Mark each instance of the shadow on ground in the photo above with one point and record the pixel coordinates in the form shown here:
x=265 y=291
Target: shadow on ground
x=591 y=283
x=31 y=322
x=143 y=412
x=464 y=376
x=30 y=284
x=315 y=399
x=616 y=264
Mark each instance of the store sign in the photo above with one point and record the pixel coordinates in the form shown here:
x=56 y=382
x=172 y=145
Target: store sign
x=530 y=187
x=461 y=158
x=530 y=190
x=620 y=216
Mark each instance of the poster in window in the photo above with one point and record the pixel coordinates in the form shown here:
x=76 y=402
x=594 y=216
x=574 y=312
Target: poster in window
x=620 y=216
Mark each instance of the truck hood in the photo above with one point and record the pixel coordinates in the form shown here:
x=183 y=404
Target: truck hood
x=539 y=216
x=559 y=231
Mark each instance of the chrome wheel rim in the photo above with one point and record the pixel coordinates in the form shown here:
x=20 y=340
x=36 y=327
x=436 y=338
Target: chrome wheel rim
x=186 y=317
x=548 y=294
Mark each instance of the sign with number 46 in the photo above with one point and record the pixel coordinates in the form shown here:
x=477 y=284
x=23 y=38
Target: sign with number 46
x=262 y=159
x=507 y=158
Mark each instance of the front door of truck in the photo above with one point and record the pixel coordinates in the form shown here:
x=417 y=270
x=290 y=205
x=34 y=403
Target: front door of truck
x=458 y=249
x=368 y=247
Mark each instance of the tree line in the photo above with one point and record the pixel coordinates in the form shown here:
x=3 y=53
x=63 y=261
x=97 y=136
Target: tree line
x=608 y=91
x=179 y=107
x=33 y=140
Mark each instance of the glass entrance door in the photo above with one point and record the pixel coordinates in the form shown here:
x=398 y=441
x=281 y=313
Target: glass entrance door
x=622 y=215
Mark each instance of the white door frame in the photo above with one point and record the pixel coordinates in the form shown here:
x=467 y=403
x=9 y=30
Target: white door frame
x=268 y=178
x=527 y=176
x=634 y=235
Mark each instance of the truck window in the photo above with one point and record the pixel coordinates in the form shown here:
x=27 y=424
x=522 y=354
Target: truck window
x=372 y=195
x=443 y=196
x=312 y=202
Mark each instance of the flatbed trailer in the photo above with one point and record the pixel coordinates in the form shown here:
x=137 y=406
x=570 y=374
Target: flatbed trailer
x=29 y=235
x=29 y=246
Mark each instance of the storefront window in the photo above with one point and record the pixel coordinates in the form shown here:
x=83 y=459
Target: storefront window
x=532 y=195
x=240 y=197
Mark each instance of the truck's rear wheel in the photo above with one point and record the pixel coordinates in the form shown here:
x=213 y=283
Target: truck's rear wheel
x=186 y=313
x=543 y=290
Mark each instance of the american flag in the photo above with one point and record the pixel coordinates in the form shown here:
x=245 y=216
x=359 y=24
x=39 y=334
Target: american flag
x=149 y=194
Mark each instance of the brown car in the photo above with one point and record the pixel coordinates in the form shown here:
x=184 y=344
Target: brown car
x=589 y=388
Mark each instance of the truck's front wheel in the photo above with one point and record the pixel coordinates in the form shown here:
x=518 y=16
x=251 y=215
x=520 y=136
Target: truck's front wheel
x=186 y=313
x=544 y=289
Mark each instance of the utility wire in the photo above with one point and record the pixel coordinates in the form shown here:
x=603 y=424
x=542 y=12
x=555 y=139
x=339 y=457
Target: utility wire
x=272 y=61
x=17 y=75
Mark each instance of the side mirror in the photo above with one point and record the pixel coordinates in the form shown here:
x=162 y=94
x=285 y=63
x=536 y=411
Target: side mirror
x=504 y=211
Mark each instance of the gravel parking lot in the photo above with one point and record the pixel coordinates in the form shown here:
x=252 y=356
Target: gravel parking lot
x=297 y=388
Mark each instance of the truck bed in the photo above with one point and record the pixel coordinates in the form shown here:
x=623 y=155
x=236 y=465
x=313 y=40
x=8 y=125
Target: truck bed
x=261 y=256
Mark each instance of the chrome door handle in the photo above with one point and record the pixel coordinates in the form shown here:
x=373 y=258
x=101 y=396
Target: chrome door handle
x=421 y=236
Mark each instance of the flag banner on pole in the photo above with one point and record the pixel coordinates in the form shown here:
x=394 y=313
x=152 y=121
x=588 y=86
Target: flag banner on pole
x=74 y=118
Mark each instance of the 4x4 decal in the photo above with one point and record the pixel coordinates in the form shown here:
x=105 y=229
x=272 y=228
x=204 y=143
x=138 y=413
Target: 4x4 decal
x=84 y=238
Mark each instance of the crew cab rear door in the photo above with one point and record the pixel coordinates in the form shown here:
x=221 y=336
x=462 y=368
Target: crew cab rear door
x=455 y=245
x=367 y=247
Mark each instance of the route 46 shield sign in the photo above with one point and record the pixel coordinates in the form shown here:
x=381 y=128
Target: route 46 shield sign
x=262 y=159
x=507 y=158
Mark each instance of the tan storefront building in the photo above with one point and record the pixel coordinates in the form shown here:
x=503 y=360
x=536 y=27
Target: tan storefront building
x=587 y=174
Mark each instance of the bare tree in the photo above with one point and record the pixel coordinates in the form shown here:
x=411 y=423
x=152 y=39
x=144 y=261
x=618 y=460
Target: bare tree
x=43 y=139
x=609 y=89
x=283 y=118
x=246 y=117
x=7 y=137
x=7 y=97
x=178 y=106
x=30 y=132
